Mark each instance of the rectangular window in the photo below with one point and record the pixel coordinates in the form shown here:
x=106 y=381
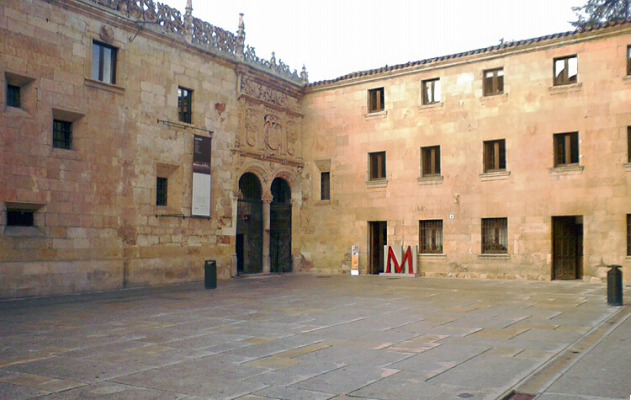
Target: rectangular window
x=494 y=235
x=565 y=149
x=377 y=166
x=17 y=217
x=325 y=186
x=493 y=81
x=431 y=91
x=565 y=70
x=430 y=159
x=103 y=63
x=184 y=102
x=161 y=191
x=62 y=134
x=628 y=60
x=431 y=236
x=495 y=155
x=629 y=144
x=629 y=234
x=13 y=96
x=375 y=100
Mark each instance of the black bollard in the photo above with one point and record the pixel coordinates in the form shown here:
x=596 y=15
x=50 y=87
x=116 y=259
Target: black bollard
x=210 y=274
x=614 y=286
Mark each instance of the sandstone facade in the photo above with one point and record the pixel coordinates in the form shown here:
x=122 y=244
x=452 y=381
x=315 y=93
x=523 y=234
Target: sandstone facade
x=96 y=223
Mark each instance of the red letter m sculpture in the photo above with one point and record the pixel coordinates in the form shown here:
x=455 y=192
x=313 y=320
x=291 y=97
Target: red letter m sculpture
x=400 y=268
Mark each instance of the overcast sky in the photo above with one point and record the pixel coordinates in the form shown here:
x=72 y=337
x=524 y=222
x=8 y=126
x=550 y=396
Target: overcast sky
x=337 y=37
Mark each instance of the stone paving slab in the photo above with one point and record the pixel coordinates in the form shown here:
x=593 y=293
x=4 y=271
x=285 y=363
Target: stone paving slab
x=294 y=337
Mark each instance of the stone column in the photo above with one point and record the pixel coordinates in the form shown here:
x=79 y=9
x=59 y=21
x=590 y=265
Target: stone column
x=267 y=201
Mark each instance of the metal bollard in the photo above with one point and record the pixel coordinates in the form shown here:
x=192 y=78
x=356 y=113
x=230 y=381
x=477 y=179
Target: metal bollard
x=210 y=274
x=614 y=286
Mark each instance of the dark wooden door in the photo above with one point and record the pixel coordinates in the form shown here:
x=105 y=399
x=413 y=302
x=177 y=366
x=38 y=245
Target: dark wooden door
x=566 y=248
x=250 y=243
x=378 y=232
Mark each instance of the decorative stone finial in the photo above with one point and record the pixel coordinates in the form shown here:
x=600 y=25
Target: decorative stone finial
x=189 y=7
x=304 y=76
x=272 y=61
x=240 y=37
x=188 y=21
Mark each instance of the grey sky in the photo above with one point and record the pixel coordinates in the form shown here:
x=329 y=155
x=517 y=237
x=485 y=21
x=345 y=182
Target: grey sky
x=336 y=37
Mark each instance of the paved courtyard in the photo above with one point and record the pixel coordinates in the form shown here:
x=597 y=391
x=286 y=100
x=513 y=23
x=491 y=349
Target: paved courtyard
x=294 y=337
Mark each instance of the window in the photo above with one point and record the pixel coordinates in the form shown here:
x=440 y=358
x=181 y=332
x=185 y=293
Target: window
x=325 y=186
x=628 y=60
x=184 y=101
x=629 y=144
x=494 y=155
x=493 y=81
x=629 y=234
x=375 y=100
x=62 y=134
x=377 y=166
x=431 y=236
x=161 y=191
x=103 y=63
x=565 y=149
x=19 y=217
x=565 y=70
x=430 y=159
x=13 y=96
x=494 y=235
x=431 y=91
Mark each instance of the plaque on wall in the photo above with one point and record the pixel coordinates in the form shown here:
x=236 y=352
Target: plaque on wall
x=201 y=177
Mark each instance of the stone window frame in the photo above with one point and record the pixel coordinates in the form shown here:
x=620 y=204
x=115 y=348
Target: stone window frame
x=431 y=91
x=27 y=94
x=493 y=81
x=566 y=148
x=430 y=162
x=34 y=230
x=69 y=119
x=376 y=100
x=377 y=166
x=561 y=73
x=431 y=236
x=494 y=155
x=97 y=72
x=494 y=235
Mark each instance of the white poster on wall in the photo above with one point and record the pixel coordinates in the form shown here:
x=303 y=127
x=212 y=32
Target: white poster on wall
x=201 y=195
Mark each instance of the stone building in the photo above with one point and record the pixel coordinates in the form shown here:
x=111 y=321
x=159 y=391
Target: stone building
x=137 y=142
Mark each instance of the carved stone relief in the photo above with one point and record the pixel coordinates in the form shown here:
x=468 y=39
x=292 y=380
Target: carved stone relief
x=273 y=132
x=268 y=94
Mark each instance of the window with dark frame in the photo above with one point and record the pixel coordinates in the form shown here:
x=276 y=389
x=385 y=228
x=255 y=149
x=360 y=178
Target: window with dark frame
x=495 y=155
x=494 y=235
x=430 y=159
x=431 y=91
x=377 y=166
x=184 y=103
x=161 y=191
x=565 y=70
x=628 y=234
x=431 y=237
x=13 y=96
x=565 y=149
x=629 y=144
x=62 y=134
x=628 y=60
x=493 y=81
x=325 y=186
x=104 y=62
x=19 y=217
x=375 y=100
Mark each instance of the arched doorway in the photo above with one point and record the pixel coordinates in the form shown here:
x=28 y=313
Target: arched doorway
x=280 y=227
x=249 y=246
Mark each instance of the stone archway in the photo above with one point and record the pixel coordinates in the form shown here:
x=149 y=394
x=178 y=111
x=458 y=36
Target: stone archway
x=249 y=241
x=280 y=227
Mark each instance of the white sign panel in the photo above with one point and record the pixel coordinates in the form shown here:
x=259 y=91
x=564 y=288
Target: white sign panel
x=201 y=195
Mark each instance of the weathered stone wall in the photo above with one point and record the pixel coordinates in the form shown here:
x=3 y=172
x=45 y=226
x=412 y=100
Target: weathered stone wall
x=339 y=133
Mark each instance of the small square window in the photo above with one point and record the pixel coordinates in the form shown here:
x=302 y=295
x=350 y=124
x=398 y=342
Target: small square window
x=104 y=62
x=375 y=100
x=19 y=217
x=495 y=155
x=431 y=236
x=431 y=91
x=161 y=191
x=62 y=134
x=494 y=235
x=184 y=102
x=565 y=70
x=325 y=186
x=430 y=159
x=13 y=96
x=565 y=149
x=493 y=81
x=377 y=166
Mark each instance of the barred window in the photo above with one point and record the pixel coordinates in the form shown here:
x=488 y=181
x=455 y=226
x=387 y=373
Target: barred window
x=62 y=134
x=161 y=191
x=494 y=235
x=431 y=236
x=18 y=217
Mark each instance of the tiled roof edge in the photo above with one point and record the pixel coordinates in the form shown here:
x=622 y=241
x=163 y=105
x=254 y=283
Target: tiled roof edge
x=511 y=44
